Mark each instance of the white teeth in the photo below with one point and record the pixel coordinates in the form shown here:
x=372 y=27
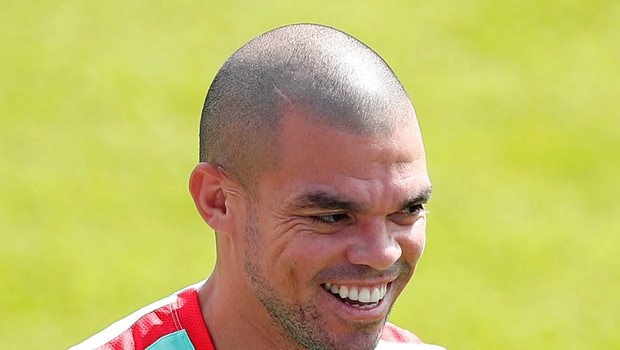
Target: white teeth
x=375 y=295
x=371 y=295
x=343 y=292
x=353 y=293
x=364 y=295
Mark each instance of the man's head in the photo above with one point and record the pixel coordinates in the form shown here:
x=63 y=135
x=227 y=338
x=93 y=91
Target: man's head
x=314 y=178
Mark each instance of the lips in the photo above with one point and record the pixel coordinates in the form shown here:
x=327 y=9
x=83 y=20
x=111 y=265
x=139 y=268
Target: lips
x=358 y=296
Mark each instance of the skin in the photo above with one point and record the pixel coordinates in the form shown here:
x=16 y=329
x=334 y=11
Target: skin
x=340 y=209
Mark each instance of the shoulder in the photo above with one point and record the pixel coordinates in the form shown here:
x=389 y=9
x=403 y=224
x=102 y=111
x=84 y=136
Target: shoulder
x=396 y=338
x=394 y=334
x=150 y=324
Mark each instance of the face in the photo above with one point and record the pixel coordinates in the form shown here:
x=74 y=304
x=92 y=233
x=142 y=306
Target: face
x=333 y=236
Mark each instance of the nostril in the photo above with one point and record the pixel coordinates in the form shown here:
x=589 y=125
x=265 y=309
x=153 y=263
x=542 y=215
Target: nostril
x=378 y=254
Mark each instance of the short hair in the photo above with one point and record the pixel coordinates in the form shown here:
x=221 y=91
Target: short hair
x=336 y=80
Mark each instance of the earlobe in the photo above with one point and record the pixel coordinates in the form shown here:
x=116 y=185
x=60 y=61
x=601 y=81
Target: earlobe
x=207 y=190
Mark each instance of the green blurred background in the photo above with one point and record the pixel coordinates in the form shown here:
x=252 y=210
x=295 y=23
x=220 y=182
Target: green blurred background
x=519 y=105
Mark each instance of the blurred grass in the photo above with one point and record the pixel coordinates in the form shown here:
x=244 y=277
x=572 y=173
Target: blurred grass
x=518 y=101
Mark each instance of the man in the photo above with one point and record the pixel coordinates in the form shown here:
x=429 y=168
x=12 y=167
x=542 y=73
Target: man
x=313 y=176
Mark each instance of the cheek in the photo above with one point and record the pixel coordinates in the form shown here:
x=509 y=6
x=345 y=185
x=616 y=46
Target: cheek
x=293 y=252
x=296 y=241
x=310 y=252
x=295 y=265
x=414 y=242
x=306 y=256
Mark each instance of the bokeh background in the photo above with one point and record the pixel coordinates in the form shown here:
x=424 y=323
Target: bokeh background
x=519 y=106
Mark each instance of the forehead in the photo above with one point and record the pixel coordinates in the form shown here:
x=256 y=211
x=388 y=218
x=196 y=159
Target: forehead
x=305 y=142
x=363 y=168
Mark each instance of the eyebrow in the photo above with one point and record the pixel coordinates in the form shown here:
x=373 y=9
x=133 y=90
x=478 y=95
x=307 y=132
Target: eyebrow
x=326 y=201
x=421 y=197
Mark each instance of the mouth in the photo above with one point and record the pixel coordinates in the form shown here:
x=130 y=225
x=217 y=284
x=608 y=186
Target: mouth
x=356 y=296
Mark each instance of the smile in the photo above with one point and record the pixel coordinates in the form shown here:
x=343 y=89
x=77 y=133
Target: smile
x=359 y=297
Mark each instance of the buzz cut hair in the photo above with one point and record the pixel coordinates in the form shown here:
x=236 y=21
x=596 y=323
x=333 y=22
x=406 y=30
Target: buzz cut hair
x=335 y=79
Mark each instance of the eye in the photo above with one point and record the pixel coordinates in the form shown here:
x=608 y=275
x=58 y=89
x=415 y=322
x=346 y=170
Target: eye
x=408 y=215
x=412 y=209
x=330 y=219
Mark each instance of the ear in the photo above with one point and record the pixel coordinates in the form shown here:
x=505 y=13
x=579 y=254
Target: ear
x=206 y=184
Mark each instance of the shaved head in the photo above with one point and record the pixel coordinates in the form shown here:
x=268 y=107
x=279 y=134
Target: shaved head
x=329 y=184
x=319 y=72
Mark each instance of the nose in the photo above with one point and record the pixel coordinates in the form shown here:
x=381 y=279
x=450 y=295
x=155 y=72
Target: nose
x=373 y=245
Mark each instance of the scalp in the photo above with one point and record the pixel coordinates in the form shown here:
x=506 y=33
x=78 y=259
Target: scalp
x=333 y=78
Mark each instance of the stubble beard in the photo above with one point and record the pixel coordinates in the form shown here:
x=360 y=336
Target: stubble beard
x=303 y=324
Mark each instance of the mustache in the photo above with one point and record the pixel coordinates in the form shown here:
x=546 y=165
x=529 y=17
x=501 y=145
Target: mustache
x=362 y=272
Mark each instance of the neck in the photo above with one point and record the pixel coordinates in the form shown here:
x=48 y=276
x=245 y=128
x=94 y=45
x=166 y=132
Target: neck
x=234 y=324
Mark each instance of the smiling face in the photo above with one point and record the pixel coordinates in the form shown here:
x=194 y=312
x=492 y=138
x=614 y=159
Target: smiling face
x=333 y=236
